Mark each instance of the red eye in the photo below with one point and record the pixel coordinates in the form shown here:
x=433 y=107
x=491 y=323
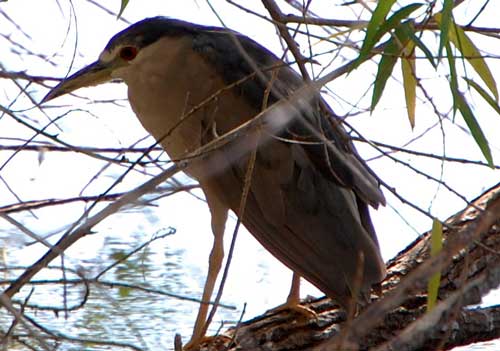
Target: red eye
x=128 y=53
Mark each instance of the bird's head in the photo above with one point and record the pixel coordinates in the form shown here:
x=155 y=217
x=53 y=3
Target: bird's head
x=122 y=50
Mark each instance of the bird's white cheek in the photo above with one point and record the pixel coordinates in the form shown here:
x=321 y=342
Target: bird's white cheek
x=121 y=73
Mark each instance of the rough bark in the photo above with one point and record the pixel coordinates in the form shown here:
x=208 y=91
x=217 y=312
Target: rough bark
x=397 y=317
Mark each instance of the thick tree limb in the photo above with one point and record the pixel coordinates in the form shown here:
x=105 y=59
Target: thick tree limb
x=397 y=319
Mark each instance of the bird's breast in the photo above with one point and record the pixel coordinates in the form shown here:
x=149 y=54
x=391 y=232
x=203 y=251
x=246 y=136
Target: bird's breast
x=181 y=100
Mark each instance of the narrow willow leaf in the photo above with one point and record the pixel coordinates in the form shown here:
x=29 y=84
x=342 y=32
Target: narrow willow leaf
x=336 y=35
x=408 y=69
x=470 y=52
x=460 y=103
x=416 y=40
x=436 y=247
x=385 y=67
x=474 y=57
x=378 y=18
x=123 y=5
x=392 y=51
x=444 y=24
x=395 y=20
x=488 y=98
x=453 y=76
x=474 y=127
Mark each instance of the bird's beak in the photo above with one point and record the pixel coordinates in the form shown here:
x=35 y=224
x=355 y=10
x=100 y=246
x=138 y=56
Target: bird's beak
x=94 y=74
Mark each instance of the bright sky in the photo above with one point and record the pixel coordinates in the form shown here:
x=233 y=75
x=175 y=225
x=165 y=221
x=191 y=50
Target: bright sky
x=52 y=30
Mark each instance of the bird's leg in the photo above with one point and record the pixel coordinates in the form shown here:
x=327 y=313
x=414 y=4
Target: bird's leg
x=294 y=295
x=219 y=217
x=293 y=301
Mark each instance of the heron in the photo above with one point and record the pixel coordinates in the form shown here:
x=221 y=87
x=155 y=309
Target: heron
x=309 y=193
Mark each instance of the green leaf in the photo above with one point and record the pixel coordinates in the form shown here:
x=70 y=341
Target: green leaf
x=474 y=57
x=474 y=127
x=122 y=8
x=445 y=21
x=395 y=20
x=488 y=98
x=416 y=40
x=378 y=25
x=385 y=67
x=410 y=81
x=460 y=103
x=378 y=18
x=436 y=247
x=453 y=76
x=390 y=55
x=436 y=237
x=470 y=52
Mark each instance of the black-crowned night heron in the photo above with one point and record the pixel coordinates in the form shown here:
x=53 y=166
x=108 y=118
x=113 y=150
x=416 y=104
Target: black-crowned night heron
x=309 y=191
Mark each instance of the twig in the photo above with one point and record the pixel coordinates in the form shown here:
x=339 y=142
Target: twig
x=84 y=229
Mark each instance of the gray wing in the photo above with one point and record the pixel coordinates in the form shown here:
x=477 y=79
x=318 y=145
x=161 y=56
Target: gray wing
x=338 y=160
x=308 y=200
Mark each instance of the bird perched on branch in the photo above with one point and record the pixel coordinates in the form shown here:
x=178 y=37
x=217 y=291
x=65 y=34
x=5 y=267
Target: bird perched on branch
x=308 y=190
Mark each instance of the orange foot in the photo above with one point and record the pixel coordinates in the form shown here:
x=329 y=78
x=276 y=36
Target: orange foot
x=215 y=342
x=294 y=306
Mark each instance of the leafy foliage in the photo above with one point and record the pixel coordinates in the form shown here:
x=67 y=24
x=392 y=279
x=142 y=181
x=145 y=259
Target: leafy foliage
x=404 y=38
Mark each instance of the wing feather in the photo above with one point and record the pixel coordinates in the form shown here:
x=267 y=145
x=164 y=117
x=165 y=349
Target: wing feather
x=327 y=143
x=310 y=190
